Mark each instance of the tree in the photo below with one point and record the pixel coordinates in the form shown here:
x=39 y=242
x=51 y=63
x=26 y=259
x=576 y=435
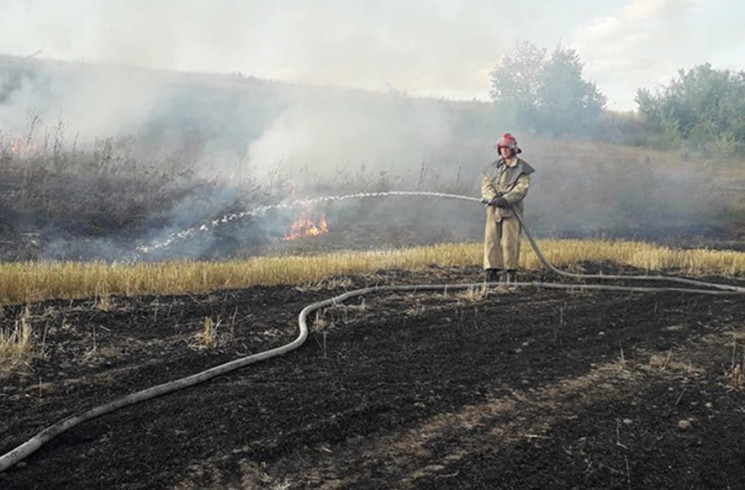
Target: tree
x=566 y=102
x=546 y=93
x=703 y=106
x=515 y=80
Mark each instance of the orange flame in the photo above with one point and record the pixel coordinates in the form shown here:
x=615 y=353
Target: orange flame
x=306 y=227
x=21 y=148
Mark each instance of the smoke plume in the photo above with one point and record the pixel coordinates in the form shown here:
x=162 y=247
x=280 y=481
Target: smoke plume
x=224 y=144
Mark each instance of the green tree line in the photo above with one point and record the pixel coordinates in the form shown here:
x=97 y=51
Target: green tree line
x=702 y=109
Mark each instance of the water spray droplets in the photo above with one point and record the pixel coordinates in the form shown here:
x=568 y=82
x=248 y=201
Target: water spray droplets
x=260 y=210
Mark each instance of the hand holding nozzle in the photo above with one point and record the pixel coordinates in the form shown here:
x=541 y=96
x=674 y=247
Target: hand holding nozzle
x=497 y=201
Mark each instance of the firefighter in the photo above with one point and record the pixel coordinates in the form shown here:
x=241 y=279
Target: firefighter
x=504 y=186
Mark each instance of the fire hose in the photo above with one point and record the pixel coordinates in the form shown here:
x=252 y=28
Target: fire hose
x=27 y=448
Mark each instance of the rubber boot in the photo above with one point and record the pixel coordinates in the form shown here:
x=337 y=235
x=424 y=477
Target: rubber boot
x=511 y=277
x=492 y=275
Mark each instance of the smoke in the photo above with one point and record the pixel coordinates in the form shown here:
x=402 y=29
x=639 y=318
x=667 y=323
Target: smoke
x=600 y=190
x=247 y=142
x=210 y=139
x=439 y=48
x=90 y=102
x=335 y=132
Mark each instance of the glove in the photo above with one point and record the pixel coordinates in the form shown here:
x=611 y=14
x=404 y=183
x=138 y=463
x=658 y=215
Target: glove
x=500 y=202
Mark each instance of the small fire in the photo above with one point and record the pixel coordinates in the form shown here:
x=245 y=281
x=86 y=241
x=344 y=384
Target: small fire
x=307 y=227
x=20 y=147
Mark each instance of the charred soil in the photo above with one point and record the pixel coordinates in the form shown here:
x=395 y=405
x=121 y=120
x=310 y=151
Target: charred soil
x=482 y=388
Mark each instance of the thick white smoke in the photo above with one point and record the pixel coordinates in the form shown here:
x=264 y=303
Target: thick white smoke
x=334 y=132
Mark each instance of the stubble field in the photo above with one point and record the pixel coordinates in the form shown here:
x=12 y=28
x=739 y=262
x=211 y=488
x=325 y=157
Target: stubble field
x=529 y=388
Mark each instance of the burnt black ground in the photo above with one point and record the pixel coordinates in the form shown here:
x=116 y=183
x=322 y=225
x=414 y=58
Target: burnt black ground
x=530 y=388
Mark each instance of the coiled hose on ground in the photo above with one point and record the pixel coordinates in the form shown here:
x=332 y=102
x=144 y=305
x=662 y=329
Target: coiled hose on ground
x=27 y=448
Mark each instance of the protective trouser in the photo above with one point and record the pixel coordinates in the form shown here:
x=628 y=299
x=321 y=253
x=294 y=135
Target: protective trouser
x=502 y=243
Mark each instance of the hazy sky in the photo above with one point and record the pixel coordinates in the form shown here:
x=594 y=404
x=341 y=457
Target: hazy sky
x=441 y=48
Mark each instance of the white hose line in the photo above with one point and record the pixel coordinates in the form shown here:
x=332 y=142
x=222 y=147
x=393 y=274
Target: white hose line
x=552 y=268
x=32 y=445
x=24 y=450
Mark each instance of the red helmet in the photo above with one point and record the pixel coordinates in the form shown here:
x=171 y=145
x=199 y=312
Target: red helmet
x=508 y=141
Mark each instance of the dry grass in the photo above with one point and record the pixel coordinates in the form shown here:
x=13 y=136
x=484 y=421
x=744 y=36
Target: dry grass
x=208 y=335
x=736 y=372
x=640 y=254
x=28 y=282
x=474 y=295
x=16 y=344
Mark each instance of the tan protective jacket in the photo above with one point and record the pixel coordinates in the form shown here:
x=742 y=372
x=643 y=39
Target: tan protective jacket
x=512 y=183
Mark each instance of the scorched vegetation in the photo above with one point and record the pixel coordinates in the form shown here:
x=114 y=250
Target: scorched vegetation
x=127 y=264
